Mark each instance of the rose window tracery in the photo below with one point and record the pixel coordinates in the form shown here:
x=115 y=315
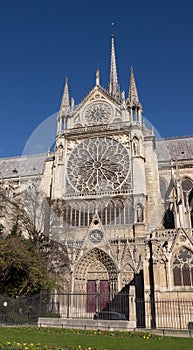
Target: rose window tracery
x=97 y=113
x=98 y=164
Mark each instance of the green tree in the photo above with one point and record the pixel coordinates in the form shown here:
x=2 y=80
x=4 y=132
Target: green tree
x=29 y=259
x=22 y=270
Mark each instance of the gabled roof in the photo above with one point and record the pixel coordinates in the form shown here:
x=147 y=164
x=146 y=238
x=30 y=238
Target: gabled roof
x=93 y=91
x=175 y=148
x=15 y=167
x=180 y=148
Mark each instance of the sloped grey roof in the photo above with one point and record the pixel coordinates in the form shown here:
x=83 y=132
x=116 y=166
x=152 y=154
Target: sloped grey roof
x=22 y=166
x=175 y=148
x=31 y=165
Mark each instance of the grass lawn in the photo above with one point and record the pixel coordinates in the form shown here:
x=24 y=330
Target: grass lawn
x=93 y=339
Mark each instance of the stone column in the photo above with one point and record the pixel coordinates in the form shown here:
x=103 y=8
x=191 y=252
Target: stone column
x=132 y=304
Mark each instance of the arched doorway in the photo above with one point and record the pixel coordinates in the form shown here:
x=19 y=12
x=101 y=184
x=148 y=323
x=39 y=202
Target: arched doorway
x=96 y=275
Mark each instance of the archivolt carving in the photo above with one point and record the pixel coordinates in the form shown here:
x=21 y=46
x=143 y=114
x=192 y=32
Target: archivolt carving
x=96 y=261
x=99 y=267
x=97 y=271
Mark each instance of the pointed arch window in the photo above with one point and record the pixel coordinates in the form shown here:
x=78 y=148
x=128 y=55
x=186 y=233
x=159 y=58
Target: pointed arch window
x=73 y=217
x=187 y=187
x=86 y=215
x=163 y=189
x=190 y=201
x=183 y=268
x=117 y=212
x=168 y=219
x=102 y=213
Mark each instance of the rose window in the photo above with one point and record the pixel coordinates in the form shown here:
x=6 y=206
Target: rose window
x=98 y=164
x=97 y=113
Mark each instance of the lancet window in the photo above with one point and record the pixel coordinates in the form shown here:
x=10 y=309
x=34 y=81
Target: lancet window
x=183 y=268
x=163 y=189
x=187 y=187
x=115 y=212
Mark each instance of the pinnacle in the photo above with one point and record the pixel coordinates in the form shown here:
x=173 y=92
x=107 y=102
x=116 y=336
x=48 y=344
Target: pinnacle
x=114 y=90
x=65 y=104
x=133 y=98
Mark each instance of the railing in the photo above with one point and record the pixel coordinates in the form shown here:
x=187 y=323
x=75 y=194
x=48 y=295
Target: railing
x=98 y=194
x=174 y=313
x=117 y=126
x=165 y=233
x=169 y=314
x=27 y=310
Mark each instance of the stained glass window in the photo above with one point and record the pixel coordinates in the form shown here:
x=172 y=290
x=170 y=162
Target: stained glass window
x=183 y=268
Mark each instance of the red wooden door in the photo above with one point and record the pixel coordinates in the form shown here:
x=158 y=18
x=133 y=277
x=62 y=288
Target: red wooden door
x=104 y=294
x=91 y=296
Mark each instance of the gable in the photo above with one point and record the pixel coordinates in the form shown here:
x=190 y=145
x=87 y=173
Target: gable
x=97 y=108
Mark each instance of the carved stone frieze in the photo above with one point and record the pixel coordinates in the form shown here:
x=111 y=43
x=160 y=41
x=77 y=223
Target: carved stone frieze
x=72 y=144
x=127 y=274
x=124 y=139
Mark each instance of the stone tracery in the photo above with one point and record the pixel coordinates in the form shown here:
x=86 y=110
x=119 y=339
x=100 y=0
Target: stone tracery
x=98 y=164
x=97 y=113
x=183 y=268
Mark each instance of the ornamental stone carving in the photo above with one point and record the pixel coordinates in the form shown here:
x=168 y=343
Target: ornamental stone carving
x=98 y=164
x=96 y=236
x=98 y=112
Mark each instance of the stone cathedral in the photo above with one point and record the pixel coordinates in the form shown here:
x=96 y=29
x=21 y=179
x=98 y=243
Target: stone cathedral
x=123 y=199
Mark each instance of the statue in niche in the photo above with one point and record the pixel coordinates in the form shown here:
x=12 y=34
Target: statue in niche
x=135 y=147
x=60 y=152
x=139 y=212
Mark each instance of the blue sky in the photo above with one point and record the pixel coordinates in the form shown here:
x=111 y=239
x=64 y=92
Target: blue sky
x=42 y=42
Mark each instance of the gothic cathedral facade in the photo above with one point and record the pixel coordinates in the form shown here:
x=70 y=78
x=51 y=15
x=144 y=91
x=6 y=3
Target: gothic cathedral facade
x=123 y=198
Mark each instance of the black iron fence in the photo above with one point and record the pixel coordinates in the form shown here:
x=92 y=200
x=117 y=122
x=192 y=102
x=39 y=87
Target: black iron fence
x=168 y=314
x=23 y=310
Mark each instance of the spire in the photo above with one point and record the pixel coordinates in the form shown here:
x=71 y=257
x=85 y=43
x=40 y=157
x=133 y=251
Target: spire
x=65 y=104
x=114 y=90
x=97 y=77
x=133 y=99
